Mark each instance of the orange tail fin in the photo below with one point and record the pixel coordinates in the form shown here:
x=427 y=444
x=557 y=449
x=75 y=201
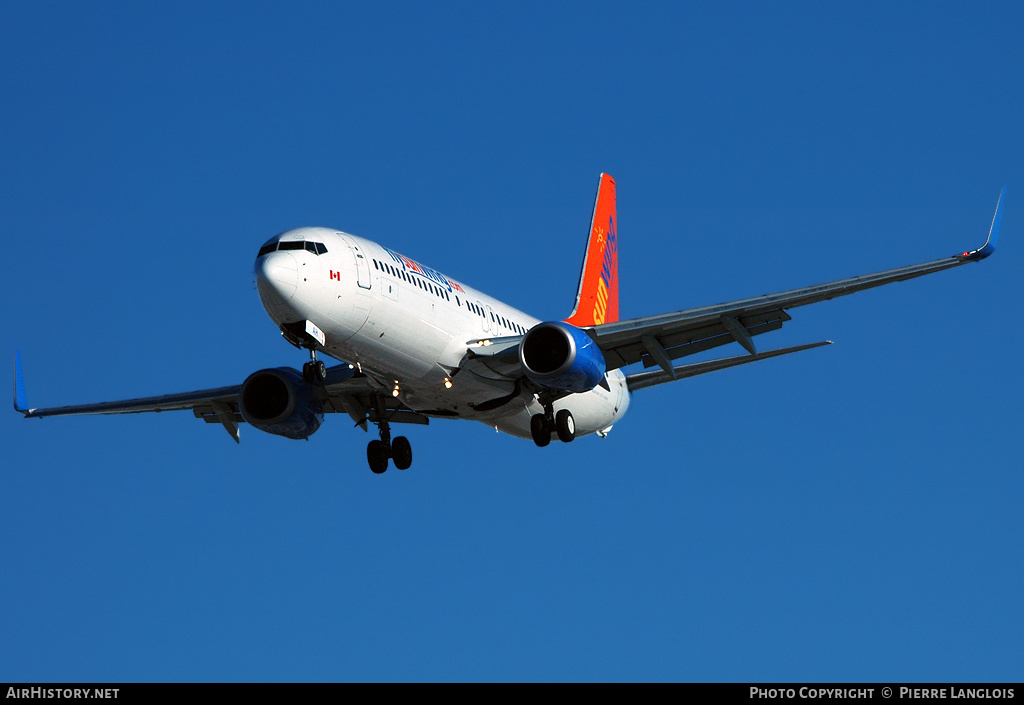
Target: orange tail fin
x=597 y=301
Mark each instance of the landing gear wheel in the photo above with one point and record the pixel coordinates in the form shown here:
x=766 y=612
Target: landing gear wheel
x=565 y=426
x=377 y=456
x=314 y=372
x=539 y=430
x=401 y=452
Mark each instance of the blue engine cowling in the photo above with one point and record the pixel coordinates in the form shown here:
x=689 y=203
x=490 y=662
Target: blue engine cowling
x=563 y=357
x=279 y=401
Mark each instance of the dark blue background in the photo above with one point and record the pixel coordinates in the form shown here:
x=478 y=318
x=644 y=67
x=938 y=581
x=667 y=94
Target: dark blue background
x=849 y=513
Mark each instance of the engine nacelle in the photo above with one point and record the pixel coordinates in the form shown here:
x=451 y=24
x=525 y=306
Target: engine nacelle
x=563 y=357
x=279 y=401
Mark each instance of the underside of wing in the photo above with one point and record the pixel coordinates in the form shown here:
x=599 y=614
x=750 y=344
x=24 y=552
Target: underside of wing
x=642 y=380
x=344 y=390
x=218 y=405
x=363 y=401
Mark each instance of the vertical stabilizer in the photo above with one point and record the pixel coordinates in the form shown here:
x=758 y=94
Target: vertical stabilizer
x=597 y=300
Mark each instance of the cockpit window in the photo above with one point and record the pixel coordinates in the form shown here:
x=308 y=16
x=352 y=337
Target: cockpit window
x=317 y=248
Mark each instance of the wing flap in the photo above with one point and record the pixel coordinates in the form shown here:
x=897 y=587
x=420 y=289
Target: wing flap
x=642 y=380
x=678 y=340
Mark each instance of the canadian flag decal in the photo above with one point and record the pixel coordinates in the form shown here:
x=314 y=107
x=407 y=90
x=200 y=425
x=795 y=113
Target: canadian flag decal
x=335 y=275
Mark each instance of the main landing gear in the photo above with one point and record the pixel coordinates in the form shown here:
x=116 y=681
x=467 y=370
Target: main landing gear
x=562 y=423
x=314 y=371
x=378 y=452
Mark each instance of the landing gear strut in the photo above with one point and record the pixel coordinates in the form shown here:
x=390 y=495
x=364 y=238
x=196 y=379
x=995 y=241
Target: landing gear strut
x=314 y=371
x=562 y=423
x=379 y=452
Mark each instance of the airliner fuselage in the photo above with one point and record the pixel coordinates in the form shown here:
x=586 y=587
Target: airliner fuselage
x=409 y=327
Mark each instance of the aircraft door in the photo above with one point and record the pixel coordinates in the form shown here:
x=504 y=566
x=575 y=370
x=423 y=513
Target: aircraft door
x=489 y=322
x=484 y=323
x=362 y=265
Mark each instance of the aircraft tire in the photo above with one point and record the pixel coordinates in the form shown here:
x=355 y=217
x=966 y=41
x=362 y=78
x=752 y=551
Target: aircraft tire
x=377 y=457
x=539 y=430
x=565 y=426
x=314 y=372
x=401 y=452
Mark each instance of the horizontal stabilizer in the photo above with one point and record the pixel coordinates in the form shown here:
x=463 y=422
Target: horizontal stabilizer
x=641 y=380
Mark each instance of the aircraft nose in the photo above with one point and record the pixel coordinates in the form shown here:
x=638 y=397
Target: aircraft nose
x=277 y=276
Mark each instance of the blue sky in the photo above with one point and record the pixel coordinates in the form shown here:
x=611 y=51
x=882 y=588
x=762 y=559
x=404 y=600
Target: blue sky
x=849 y=513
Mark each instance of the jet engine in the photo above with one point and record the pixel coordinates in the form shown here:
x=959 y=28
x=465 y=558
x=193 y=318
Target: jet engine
x=562 y=357
x=279 y=401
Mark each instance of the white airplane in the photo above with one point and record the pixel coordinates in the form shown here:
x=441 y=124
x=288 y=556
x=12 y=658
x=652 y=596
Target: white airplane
x=416 y=344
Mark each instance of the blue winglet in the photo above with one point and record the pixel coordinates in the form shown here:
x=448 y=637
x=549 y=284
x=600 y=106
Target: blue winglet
x=20 y=400
x=993 y=233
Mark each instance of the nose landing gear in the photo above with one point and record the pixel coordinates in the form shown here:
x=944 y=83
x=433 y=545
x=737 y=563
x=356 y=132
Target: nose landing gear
x=314 y=371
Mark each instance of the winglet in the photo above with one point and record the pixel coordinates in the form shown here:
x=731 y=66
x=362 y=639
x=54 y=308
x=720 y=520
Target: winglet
x=993 y=234
x=20 y=400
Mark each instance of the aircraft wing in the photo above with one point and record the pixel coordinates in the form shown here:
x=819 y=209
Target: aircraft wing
x=203 y=398
x=657 y=340
x=344 y=391
x=218 y=405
